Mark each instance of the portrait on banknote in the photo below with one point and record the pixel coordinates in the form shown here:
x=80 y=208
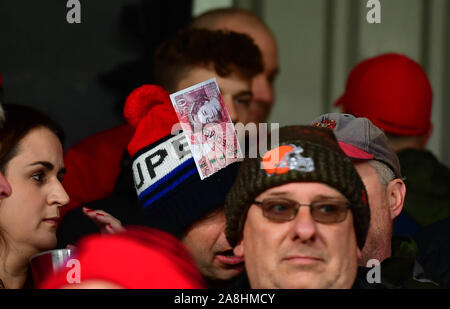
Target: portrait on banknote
x=207 y=126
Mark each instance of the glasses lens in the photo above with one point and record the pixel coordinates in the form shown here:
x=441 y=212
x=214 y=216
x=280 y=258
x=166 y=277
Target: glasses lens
x=279 y=210
x=329 y=212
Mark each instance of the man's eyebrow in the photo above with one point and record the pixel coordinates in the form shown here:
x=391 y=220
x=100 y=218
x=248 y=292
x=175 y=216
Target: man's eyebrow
x=243 y=93
x=329 y=197
x=274 y=73
x=317 y=197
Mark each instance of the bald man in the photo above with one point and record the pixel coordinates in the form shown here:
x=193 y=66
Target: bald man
x=247 y=22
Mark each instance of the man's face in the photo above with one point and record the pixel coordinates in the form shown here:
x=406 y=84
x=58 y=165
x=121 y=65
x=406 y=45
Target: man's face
x=378 y=242
x=206 y=242
x=263 y=84
x=235 y=90
x=300 y=253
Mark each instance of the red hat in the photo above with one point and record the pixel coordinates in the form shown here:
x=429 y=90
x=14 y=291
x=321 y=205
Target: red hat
x=391 y=90
x=139 y=258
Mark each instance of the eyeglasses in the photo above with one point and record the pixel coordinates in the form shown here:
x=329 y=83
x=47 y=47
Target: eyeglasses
x=283 y=210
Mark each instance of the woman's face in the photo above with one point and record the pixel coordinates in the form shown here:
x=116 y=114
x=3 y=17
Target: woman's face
x=29 y=216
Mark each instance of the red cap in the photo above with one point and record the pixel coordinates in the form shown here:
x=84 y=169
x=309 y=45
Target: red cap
x=391 y=90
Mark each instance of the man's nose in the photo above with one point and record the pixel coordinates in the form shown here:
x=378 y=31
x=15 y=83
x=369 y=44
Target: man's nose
x=5 y=188
x=304 y=226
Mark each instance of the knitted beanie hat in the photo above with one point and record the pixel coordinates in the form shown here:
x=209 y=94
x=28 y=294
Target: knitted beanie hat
x=167 y=182
x=304 y=154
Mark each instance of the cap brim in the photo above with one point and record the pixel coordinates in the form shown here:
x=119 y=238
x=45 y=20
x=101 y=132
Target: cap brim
x=354 y=152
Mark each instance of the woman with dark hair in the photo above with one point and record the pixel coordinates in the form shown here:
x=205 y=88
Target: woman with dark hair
x=31 y=159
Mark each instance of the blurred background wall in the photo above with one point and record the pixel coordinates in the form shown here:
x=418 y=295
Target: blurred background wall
x=80 y=74
x=321 y=40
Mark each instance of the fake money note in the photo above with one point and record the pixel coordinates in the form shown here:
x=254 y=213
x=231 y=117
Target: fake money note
x=208 y=128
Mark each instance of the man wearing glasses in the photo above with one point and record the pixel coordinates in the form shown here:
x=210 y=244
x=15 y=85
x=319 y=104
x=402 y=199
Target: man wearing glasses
x=299 y=213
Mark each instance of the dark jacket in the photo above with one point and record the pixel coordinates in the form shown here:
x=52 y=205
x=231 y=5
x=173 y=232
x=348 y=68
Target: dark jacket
x=402 y=270
x=427 y=191
x=434 y=251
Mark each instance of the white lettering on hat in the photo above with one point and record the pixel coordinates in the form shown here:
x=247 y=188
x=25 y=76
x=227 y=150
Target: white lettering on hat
x=156 y=163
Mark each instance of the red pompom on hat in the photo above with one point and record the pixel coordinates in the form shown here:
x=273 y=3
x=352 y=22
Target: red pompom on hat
x=139 y=258
x=149 y=109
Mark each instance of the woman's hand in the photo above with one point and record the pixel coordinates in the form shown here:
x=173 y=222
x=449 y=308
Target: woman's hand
x=105 y=222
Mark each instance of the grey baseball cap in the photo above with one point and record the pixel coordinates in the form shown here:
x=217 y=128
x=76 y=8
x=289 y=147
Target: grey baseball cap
x=360 y=139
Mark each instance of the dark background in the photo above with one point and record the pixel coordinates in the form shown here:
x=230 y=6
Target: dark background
x=80 y=74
